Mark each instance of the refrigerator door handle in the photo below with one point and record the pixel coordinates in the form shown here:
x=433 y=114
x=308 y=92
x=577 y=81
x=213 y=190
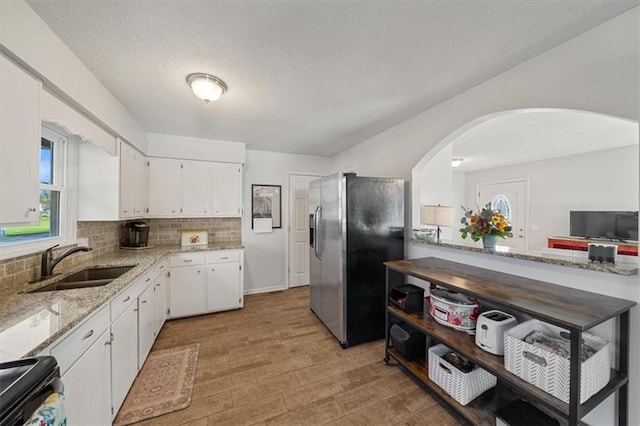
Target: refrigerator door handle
x=316 y=224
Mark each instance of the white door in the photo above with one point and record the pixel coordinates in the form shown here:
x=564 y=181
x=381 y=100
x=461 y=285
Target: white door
x=226 y=193
x=195 y=188
x=87 y=386
x=127 y=180
x=141 y=185
x=299 y=229
x=146 y=323
x=165 y=186
x=124 y=355
x=223 y=286
x=19 y=145
x=161 y=301
x=510 y=198
x=186 y=294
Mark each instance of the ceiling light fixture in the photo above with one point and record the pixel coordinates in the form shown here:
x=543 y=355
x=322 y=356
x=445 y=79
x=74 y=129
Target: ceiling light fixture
x=455 y=162
x=207 y=87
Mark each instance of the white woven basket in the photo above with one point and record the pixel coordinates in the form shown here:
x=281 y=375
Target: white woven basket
x=549 y=371
x=463 y=387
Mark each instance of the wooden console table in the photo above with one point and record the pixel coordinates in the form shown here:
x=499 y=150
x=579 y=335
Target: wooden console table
x=571 y=309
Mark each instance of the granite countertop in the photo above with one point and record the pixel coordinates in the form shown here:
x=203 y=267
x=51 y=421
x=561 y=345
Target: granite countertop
x=554 y=259
x=30 y=322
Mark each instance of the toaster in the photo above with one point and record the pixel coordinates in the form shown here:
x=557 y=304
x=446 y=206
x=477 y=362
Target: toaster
x=490 y=330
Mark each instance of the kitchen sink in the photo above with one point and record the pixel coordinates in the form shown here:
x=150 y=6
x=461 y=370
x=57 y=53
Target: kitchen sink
x=91 y=277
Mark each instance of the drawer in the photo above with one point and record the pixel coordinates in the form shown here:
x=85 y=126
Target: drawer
x=223 y=257
x=160 y=267
x=187 y=259
x=74 y=343
x=119 y=303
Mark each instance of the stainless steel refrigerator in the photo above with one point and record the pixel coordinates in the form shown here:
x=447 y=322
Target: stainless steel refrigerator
x=356 y=225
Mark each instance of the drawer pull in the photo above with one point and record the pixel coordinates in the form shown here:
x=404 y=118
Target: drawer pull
x=147 y=280
x=89 y=334
x=162 y=267
x=187 y=260
x=158 y=285
x=213 y=270
x=143 y=301
x=224 y=258
x=126 y=299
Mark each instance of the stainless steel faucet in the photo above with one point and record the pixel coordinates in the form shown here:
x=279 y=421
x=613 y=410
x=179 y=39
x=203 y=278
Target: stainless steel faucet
x=48 y=262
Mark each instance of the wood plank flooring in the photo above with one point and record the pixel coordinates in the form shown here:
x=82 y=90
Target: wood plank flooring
x=274 y=363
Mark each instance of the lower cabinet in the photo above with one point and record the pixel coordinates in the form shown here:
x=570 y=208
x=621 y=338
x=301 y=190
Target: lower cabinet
x=87 y=385
x=205 y=282
x=187 y=291
x=161 y=295
x=124 y=354
x=146 y=323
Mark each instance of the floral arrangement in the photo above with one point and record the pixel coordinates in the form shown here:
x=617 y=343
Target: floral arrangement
x=486 y=222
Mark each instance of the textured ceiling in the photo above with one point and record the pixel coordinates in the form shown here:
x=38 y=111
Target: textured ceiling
x=309 y=77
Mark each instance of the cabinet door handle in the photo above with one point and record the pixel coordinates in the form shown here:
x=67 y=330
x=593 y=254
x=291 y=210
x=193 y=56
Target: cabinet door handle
x=126 y=299
x=224 y=258
x=212 y=269
x=199 y=271
x=161 y=266
x=187 y=260
x=158 y=285
x=125 y=211
x=89 y=334
x=31 y=210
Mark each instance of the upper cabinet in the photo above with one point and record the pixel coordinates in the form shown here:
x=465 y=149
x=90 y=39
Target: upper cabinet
x=19 y=145
x=226 y=189
x=112 y=187
x=134 y=182
x=188 y=188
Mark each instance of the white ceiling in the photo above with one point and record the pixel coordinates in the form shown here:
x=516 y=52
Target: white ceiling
x=530 y=135
x=308 y=77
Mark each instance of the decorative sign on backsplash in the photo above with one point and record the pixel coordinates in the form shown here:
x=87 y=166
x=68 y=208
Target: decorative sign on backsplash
x=195 y=237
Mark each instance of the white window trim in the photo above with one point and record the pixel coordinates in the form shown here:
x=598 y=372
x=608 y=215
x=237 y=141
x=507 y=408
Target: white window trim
x=68 y=198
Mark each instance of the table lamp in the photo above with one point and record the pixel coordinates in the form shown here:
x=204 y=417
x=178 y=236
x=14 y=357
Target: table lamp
x=437 y=216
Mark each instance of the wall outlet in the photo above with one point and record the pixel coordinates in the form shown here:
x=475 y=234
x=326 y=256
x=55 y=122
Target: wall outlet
x=83 y=242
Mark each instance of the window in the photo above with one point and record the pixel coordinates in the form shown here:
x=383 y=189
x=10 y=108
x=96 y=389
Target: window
x=501 y=204
x=50 y=228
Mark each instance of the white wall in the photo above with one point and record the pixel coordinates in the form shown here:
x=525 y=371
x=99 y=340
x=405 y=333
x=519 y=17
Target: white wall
x=26 y=36
x=596 y=71
x=601 y=180
x=266 y=255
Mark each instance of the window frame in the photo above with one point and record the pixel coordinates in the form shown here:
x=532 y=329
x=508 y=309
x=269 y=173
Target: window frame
x=64 y=180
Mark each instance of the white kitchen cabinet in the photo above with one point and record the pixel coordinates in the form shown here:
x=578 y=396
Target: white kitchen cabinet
x=146 y=323
x=127 y=180
x=141 y=185
x=224 y=280
x=19 y=145
x=111 y=187
x=165 y=187
x=161 y=283
x=189 y=188
x=195 y=188
x=124 y=354
x=187 y=285
x=87 y=385
x=226 y=189
x=220 y=287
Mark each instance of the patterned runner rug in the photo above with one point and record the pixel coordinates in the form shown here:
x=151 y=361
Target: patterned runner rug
x=164 y=385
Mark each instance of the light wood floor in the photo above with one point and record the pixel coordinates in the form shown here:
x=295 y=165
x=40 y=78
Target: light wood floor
x=274 y=363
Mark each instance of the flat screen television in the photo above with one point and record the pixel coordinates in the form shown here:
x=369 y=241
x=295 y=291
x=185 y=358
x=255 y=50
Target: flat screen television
x=614 y=225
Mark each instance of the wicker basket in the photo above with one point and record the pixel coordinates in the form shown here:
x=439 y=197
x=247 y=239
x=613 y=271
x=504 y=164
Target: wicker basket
x=463 y=387
x=549 y=371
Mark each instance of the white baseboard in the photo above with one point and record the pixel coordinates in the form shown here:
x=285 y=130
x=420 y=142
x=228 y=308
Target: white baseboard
x=265 y=290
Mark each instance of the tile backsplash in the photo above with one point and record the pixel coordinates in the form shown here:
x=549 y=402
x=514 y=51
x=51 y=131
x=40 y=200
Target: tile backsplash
x=104 y=238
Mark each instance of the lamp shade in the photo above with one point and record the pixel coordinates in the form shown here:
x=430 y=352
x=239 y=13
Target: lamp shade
x=206 y=87
x=437 y=215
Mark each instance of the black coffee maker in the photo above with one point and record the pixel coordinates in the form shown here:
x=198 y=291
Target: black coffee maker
x=135 y=234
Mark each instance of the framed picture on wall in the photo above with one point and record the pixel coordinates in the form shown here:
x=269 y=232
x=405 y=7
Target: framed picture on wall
x=266 y=202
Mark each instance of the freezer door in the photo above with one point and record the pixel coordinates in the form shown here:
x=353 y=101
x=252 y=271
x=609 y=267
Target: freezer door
x=331 y=246
x=314 y=257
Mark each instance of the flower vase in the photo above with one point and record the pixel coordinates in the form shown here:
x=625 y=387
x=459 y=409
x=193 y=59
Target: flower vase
x=489 y=241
